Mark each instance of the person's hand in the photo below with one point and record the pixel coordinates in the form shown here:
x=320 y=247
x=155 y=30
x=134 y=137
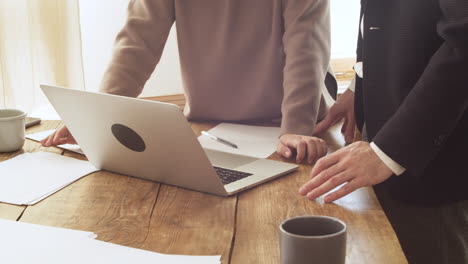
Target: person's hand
x=342 y=109
x=357 y=165
x=307 y=149
x=59 y=137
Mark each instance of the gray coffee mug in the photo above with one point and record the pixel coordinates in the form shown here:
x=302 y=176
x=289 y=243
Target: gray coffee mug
x=12 y=129
x=313 y=239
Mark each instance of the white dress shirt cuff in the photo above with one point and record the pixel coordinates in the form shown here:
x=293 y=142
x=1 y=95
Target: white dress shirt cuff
x=391 y=164
x=352 y=85
x=359 y=69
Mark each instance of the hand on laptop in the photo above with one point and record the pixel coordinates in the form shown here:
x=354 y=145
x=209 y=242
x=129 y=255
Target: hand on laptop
x=308 y=149
x=59 y=137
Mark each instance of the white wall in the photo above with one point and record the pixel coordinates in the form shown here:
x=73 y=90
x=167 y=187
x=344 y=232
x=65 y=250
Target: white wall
x=344 y=22
x=101 y=21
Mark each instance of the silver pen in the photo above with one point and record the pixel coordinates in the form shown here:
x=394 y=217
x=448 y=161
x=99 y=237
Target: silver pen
x=220 y=140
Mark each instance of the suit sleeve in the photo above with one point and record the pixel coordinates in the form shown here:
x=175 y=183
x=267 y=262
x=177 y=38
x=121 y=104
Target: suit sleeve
x=431 y=111
x=306 y=44
x=138 y=46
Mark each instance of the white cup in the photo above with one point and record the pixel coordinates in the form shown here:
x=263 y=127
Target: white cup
x=12 y=129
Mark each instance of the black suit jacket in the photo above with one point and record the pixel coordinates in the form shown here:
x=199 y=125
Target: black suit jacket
x=414 y=94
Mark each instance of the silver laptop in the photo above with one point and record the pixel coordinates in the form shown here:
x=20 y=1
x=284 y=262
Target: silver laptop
x=154 y=141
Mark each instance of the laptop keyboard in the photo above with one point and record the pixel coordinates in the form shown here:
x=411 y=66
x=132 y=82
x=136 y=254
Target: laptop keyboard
x=227 y=176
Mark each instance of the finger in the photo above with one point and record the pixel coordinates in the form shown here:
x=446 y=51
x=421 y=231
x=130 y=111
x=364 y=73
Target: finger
x=343 y=191
x=345 y=123
x=311 y=151
x=324 y=149
x=71 y=139
x=59 y=136
x=283 y=150
x=301 y=151
x=324 y=163
x=320 y=179
x=326 y=123
x=59 y=141
x=44 y=141
x=63 y=136
x=329 y=185
x=63 y=132
x=349 y=130
x=49 y=139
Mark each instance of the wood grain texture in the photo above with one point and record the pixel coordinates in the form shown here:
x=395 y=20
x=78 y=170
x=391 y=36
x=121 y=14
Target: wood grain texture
x=117 y=208
x=10 y=212
x=371 y=238
x=191 y=223
x=241 y=228
x=13 y=212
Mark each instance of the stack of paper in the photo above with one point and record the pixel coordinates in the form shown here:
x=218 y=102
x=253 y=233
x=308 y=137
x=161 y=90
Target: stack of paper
x=23 y=243
x=253 y=141
x=41 y=135
x=28 y=178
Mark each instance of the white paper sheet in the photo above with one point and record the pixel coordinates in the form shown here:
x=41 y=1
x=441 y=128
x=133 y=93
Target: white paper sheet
x=31 y=177
x=13 y=227
x=253 y=141
x=43 y=134
x=24 y=244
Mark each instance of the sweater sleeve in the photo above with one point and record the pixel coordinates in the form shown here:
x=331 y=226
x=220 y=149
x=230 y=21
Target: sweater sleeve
x=138 y=46
x=306 y=44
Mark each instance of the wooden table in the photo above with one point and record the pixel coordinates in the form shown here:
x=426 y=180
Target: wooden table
x=242 y=228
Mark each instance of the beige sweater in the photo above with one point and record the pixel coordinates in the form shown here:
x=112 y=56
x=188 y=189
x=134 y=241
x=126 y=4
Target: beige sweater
x=241 y=60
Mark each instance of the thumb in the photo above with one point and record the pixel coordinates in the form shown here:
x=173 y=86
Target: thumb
x=284 y=150
x=63 y=132
x=325 y=124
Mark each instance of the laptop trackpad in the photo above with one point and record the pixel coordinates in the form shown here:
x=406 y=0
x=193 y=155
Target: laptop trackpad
x=227 y=160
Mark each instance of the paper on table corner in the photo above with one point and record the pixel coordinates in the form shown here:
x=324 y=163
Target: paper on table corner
x=253 y=141
x=31 y=177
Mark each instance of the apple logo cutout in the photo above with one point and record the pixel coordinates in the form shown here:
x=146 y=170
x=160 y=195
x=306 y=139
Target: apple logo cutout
x=128 y=137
